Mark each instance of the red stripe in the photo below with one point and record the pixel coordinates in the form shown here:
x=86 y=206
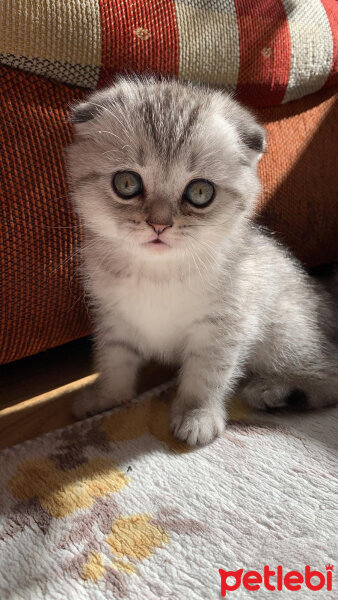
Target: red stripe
x=331 y=7
x=265 y=51
x=139 y=36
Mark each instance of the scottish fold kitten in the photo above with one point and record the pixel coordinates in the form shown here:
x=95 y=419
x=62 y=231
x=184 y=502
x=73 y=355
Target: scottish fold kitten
x=164 y=178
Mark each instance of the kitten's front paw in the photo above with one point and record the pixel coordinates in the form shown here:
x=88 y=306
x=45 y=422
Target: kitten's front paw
x=197 y=426
x=93 y=401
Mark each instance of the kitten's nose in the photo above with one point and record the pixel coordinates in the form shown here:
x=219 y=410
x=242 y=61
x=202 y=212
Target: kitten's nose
x=159 y=227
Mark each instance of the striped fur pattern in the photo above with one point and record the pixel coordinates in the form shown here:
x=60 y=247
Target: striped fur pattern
x=270 y=52
x=202 y=287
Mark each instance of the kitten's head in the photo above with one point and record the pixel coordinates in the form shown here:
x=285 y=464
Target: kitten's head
x=164 y=169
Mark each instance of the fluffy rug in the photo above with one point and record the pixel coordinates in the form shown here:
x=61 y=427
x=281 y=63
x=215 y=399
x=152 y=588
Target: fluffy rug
x=114 y=507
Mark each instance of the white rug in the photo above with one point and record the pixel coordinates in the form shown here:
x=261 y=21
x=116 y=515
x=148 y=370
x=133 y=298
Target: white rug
x=115 y=508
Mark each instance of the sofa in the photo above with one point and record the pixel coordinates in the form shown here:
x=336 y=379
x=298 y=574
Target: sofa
x=279 y=57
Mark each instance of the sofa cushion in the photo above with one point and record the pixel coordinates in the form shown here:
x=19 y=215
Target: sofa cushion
x=41 y=301
x=270 y=52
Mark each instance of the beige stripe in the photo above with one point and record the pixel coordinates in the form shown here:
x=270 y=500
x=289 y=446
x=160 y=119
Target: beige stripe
x=81 y=75
x=208 y=43
x=68 y=31
x=311 y=47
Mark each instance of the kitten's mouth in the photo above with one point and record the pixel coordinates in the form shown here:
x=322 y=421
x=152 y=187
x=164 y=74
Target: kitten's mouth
x=157 y=243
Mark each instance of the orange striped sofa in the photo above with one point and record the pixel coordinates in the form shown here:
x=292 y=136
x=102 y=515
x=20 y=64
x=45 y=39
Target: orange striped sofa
x=279 y=57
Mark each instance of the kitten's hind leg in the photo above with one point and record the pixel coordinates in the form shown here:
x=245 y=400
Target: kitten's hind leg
x=321 y=393
x=264 y=392
x=269 y=392
x=317 y=376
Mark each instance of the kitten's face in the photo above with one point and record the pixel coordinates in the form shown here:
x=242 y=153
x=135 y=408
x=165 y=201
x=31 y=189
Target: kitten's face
x=164 y=169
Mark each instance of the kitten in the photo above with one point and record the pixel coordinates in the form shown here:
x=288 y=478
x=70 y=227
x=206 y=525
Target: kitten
x=164 y=178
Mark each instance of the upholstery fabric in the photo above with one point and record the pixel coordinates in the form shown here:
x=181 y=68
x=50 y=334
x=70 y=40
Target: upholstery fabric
x=299 y=175
x=41 y=302
x=269 y=51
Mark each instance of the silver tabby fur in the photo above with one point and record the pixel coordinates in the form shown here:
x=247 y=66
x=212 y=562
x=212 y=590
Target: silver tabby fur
x=222 y=299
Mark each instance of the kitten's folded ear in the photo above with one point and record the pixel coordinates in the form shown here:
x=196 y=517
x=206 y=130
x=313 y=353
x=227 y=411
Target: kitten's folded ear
x=252 y=135
x=82 y=112
x=81 y=115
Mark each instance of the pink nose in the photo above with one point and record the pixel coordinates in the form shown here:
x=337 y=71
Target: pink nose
x=158 y=227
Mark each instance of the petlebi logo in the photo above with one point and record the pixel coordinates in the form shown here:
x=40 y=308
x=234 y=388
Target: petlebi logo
x=276 y=579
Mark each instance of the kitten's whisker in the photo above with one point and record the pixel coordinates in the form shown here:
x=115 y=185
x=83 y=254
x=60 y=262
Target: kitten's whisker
x=212 y=251
x=109 y=133
x=128 y=123
x=207 y=272
x=61 y=226
x=196 y=264
x=212 y=265
x=71 y=256
x=64 y=262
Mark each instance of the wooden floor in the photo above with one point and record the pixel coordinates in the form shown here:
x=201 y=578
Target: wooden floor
x=36 y=393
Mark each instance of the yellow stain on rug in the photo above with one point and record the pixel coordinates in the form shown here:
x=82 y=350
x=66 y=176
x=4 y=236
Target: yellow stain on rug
x=153 y=416
x=123 y=566
x=150 y=416
x=136 y=537
x=60 y=492
x=94 y=568
x=131 y=537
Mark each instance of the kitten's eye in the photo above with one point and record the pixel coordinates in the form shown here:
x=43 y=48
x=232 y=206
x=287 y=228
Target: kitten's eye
x=127 y=184
x=199 y=192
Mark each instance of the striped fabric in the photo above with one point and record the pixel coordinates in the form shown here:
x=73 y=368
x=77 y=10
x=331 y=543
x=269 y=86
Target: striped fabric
x=269 y=51
x=55 y=38
x=311 y=47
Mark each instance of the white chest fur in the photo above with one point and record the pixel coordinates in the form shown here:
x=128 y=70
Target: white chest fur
x=159 y=314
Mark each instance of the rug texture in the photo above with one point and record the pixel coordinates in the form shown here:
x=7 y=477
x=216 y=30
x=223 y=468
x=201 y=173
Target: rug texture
x=114 y=507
